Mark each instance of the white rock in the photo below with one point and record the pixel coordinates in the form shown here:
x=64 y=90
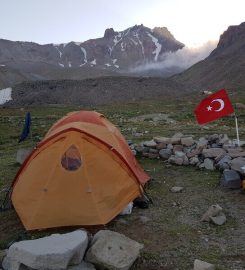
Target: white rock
x=201 y=265
x=127 y=210
x=176 y=189
x=22 y=154
x=53 y=252
x=114 y=251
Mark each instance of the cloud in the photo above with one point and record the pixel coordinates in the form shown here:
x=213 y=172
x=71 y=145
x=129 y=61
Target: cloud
x=173 y=62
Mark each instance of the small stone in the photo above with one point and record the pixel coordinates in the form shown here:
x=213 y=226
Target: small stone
x=194 y=160
x=161 y=146
x=22 y=154
x=144 y=219
x=179 y=154
x=212 y=211
x=176 y=189
x=201 y=265
x=218 y=220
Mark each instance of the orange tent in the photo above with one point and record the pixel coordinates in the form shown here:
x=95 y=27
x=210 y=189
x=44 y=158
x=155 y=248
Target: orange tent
x=81 y=173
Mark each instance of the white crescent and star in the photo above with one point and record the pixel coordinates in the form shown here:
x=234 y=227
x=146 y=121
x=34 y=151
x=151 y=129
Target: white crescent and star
x=221 y=102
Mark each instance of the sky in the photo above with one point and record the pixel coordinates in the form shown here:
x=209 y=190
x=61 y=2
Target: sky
x=192 y=22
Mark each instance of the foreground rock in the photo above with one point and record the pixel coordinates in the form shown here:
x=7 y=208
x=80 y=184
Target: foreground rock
x=51 y=253
x=213 y=211
x=201 y=265
x=113 y=251
x=82 y=266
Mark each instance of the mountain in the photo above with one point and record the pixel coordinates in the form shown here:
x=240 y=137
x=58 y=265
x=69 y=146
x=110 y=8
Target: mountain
x=223 y=68
x=115 y=53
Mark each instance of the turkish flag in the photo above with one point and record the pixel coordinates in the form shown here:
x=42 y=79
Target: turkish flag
x=213 y=107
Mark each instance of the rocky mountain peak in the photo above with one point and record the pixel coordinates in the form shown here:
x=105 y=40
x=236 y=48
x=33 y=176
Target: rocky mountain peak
x=163 y=32
x=109 y=32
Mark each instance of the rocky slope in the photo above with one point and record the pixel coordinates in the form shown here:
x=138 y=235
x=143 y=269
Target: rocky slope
x=90 y=92
x=224 y=67
x=113 y=53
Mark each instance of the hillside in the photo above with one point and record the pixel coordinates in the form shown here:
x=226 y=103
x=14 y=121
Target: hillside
x=224 y=67
x=103 y=90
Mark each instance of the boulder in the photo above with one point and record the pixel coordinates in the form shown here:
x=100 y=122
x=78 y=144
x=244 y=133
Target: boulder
x=234 y=153
x=165 y=153
x=53 y=252
x=213 y=152
x=201 y=265
x=238 y=164
x=193 y=153
x=224 y=163
x=22 y=154
x=113 y=251
x=202 y=143
x=194 y=161
x=179 y=154
x=176 y=160
x=231 y=179
x=187 y=141
x=151 y=143
x=178 y=148
x=164 y=140
x=161 y=146
x=208 y=164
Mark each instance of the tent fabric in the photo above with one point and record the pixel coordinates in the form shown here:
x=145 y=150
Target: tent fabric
x=82 y=173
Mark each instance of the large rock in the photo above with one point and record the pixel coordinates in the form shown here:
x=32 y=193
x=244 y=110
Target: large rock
x=22 y=154
x=201 y=265
x=113 y=251
x=165 y=153
x=187 y=141
x=238 y=164
x=53 y=252
x=208 y=164
x=213 y=152
x=234 y=153
x=224 y=163
x=159 y=139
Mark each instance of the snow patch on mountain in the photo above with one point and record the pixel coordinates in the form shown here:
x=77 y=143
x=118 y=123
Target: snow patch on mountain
x=85 y=57
x=59 y=51
x=141 y=44
x=5 y=95
x=135 y=42
x=93 y=62
x=157 y=44
x=2 y=65
x=62 y=65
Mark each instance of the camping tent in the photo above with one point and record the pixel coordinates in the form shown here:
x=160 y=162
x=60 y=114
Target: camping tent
x=81 y=173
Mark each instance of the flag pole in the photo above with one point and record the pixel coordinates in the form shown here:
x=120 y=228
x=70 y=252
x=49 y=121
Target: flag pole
x=237 y=132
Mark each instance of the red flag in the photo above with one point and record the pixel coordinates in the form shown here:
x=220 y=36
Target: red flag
x=213 y=107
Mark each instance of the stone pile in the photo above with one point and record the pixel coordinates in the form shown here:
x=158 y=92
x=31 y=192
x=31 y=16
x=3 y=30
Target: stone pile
x=210 y=152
